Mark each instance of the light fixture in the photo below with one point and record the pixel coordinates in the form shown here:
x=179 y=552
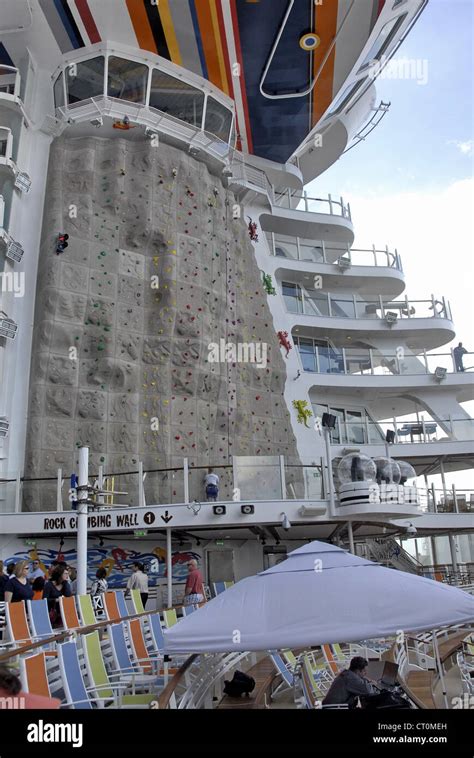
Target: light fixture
x=391 y=318
x=390 y=436
x=329 y=421
x=285 y=522
x=440 y=373
x=97 y=122
x=14 y=251
x=219 y=510
x=344 y=263
x=101 y=542
x=411 y=530
x=247 y=510
x=198 y=543
x=152 y=134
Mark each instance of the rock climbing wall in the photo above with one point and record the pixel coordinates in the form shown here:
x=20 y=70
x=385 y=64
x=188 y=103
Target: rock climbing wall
x=155 y=270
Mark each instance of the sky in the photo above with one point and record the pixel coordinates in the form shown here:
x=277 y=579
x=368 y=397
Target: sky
x=410 y=184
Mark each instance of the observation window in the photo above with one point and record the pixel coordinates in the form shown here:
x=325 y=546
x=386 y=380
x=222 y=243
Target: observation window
x=218 y=119
x=176 y=98
x=127 y=80
x=84 y=80
x=58 y=91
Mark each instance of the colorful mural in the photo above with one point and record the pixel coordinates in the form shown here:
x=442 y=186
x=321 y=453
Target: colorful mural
x=116 y=560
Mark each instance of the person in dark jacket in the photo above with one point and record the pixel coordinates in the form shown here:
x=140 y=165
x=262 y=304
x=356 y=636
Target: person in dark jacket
x=3 y=582
x=350 y=684
x=18 y=587
x=56 y=587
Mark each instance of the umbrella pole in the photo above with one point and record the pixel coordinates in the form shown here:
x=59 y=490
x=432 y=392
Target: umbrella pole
x=169 y=568
x=440 y=668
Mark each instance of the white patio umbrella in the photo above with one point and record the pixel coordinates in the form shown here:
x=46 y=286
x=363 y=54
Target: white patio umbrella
x=320 y=594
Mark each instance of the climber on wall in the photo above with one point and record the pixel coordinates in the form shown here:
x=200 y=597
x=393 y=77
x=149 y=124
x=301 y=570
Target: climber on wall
x=211 y=480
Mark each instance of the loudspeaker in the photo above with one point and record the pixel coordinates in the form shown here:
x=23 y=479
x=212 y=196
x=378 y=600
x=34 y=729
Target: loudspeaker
x=219 y=510
x=247 y=510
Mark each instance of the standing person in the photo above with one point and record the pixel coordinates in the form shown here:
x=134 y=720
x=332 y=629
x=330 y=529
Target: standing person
x=99 y=585
x=35 y=572
x=139 y=581
x=458 y=353
x=18 y=587
x=194 y=590
x=3 y=582
x=56 y=587
x=73 y=580
x=211 y=480
x=38 y=587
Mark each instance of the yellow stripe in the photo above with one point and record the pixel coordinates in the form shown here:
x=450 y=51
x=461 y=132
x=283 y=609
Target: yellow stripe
x=219 y=49
x=168 y=28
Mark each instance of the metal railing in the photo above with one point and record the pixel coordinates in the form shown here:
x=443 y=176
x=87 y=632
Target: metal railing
x=301 y=201
x=371 y=362
x=364 y=431
x=240 y=172
x=260 y=478
x=318 y=251
x=330 y=305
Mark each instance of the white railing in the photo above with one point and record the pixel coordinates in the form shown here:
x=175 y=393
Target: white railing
x=319 y=251
x=364 y=431
x=301 y=201
x=371 y=362
x=331 y=305
x=255 y=178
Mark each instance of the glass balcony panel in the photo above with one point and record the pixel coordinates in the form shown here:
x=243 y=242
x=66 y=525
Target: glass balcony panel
x=338 y=435
x=258 y=478
x=303 y=482
x=58 y=91
x=7 y=80
x=356 y=431
x=307 y=354
x=84 y=80
x=218 y=119
x=197 y=487
x=162 y=487
x=311 y=251
x=127 y=80
x=342 y=308
x=286 y=248
x=176 y=98
x=444 y=360
x=292 y=297
x=317 y=305
x=410 y=364
x=357 y=361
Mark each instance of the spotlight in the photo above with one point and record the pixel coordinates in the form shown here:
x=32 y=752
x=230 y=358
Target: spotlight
x=391 y=318
x=440 y=373
x=97 y=122
x=390 y=436
x=247 y=510
x=329 y=421
x=344 y=264
x=285 y=522
x=219 y=510
x=152 y=134
x=198 y=543
x=411 y=530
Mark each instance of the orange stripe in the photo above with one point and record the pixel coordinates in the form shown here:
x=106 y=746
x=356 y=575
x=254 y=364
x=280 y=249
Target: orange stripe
x=209 y=46
x=141 y=25
x=326 y=26
x=225 y=50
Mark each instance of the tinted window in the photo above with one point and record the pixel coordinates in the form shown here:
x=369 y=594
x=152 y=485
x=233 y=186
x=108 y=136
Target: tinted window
x=127 y=80
x=176 y=98
x=84 y=80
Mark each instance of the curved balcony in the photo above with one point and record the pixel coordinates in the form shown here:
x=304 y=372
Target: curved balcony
x=299 y=214
x=129 y=90
x=364 y=270
x=10 y=88
x=423 y=323
x=403 y=366
x=8 y=166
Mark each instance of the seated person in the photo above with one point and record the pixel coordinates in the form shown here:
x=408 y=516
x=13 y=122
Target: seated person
x=350 y=684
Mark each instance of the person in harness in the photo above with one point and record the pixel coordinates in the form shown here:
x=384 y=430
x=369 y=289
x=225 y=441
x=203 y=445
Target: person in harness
x=211 y=480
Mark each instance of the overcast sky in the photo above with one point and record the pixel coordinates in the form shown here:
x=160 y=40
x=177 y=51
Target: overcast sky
x=410 y=184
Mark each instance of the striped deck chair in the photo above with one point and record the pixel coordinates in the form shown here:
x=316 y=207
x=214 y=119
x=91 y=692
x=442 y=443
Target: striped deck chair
x=86 y=610
x=33 y=674
x=137 y=603
x=111 y=607
x=288 y=679
x=123 y=662
x=17 y=624
x=333 y=663
x=319 y=681
x=121 y=604
x=68 y=610
x=100 y=681
x=40 y=622
x=170 y=617
x=76 y=693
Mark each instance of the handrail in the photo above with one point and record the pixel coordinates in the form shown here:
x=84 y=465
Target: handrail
x=286 y=200
x=167 y=693
x=344 y=253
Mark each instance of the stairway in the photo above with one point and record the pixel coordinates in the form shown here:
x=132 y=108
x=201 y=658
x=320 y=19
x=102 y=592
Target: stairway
x=389 y=552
